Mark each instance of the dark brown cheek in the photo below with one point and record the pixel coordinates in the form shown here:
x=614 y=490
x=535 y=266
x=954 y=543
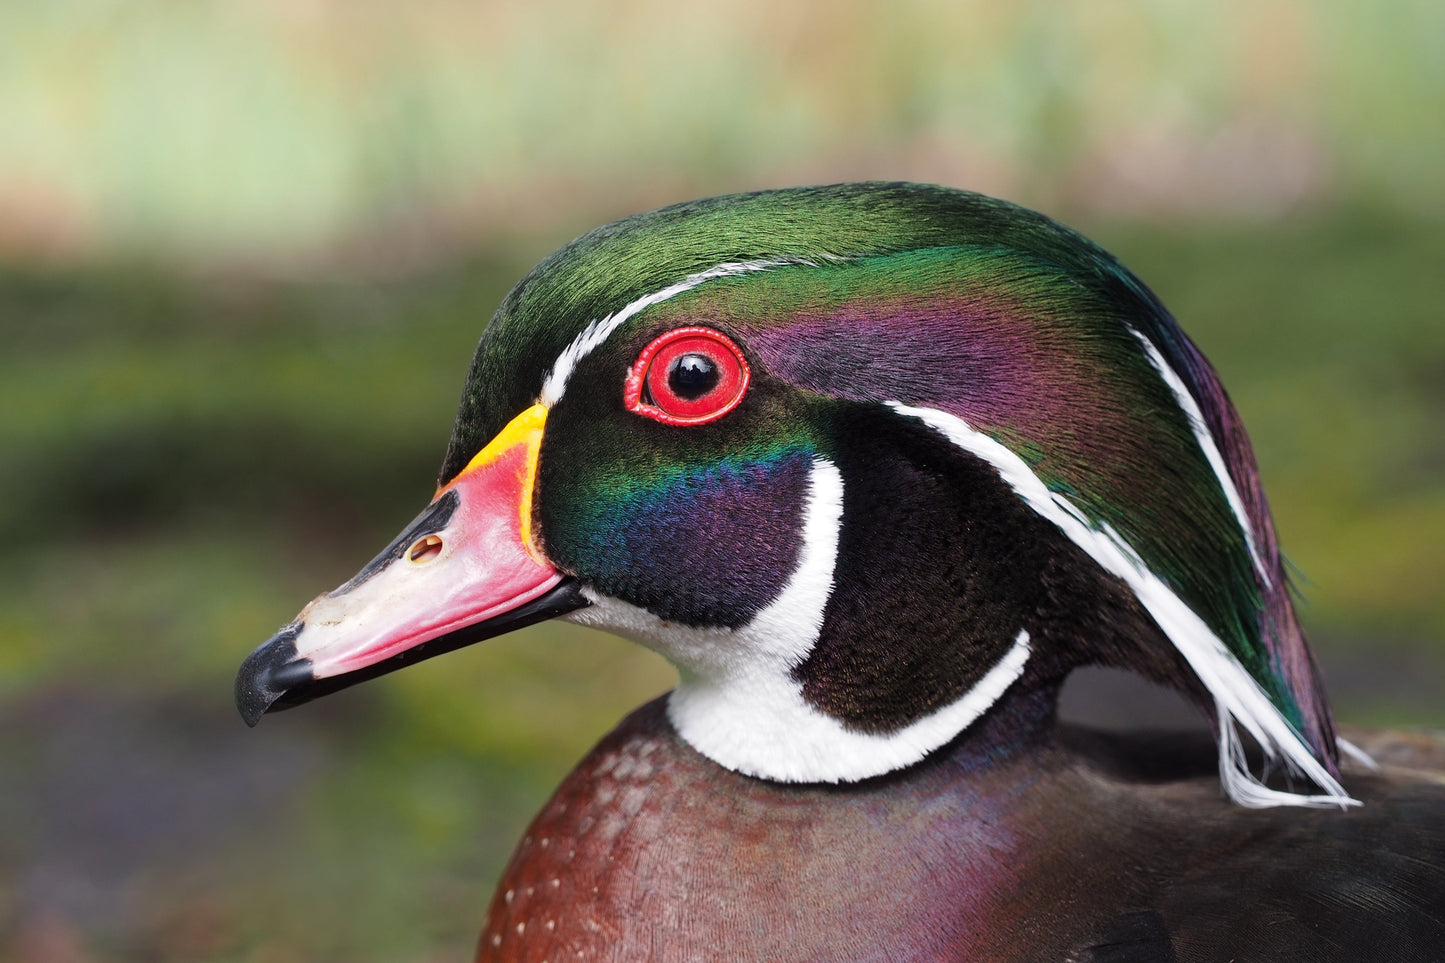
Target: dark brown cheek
x=938 y=569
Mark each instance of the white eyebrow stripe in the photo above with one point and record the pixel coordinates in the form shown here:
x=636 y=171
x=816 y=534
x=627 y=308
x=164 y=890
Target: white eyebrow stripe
x=601 y=329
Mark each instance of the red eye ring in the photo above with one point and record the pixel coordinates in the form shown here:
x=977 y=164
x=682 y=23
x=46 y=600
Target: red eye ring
x=688 y=376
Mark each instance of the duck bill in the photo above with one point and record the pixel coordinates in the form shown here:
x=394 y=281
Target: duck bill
x=466 y=569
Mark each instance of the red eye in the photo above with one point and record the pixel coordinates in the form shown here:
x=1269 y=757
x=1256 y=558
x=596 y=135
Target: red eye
x=689 y=376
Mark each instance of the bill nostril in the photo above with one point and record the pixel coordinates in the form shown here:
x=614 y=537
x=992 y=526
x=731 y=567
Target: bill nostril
x=425 y=549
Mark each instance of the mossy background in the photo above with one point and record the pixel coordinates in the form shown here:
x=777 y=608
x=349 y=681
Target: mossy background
x=246 y=250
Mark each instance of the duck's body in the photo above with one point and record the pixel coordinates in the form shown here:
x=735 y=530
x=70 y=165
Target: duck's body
x=1068 y=847
x=877 y=466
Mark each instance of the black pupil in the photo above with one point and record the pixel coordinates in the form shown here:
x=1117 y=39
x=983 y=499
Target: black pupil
x=692 y=376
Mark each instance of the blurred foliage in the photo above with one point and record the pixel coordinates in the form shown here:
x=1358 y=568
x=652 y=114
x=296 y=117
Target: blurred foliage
x=246 y=248
x=228 y=127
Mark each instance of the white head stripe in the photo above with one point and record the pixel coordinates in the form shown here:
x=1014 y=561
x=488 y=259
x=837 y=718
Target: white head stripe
x=1239 y=697
x=1206 y=444
x=600 y=330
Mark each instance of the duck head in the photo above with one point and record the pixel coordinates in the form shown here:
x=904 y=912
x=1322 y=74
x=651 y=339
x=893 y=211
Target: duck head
x=860 y=461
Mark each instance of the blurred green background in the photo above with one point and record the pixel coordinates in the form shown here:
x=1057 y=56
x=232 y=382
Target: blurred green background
x=246 y=247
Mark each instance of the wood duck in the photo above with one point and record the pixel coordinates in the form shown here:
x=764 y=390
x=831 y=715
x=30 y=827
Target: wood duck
x=876 y=466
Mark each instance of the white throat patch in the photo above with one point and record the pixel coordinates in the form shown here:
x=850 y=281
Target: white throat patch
x=737 y=701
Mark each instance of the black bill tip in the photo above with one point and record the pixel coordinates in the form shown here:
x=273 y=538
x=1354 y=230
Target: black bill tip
x=274 y=677
x=269 y=672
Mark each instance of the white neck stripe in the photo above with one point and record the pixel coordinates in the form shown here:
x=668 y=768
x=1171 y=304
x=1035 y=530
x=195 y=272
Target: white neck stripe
x=1239 y=697
x=599 y=330
x=792 y=741
x=737 y=701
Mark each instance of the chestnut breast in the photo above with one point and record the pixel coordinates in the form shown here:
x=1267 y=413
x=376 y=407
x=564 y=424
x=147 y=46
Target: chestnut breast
x=1063 y=847
x=649 y=851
